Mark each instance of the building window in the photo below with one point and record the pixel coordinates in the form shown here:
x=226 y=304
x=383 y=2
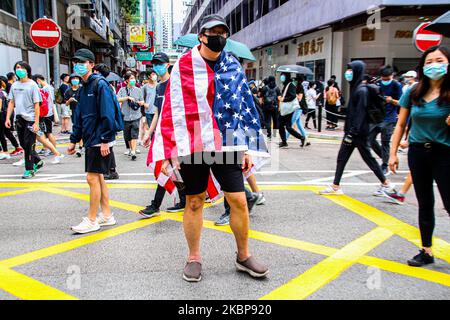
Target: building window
x=30 y=10
x=265 y=8
x=283 y=2
x=7 y=5
x=286 y=49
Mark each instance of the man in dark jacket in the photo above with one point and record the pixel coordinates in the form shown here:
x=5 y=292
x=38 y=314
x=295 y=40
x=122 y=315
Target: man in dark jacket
x=270 y=96
x=95 y=123
x=356 y=130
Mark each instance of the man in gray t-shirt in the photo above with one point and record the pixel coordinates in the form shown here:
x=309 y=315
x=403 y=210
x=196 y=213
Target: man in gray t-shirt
x=25 y=95
x=24 y=98
x=131 y=116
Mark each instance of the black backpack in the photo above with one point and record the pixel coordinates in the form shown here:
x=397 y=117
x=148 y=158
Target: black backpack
x=4 y=102
x=270 y=98
x=376 y=106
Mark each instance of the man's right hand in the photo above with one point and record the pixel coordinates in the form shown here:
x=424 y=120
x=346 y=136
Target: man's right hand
x=348 y=140
x=164 y=167
x=147 y=141
x=71 y=149
x=8 y=123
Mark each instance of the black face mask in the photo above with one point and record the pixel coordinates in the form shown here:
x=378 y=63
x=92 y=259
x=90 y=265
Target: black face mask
x=216 y=43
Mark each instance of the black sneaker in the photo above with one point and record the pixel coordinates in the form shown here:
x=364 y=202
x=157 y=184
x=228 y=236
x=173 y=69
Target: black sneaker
x=421 y=259
x=179 y=207
x=111 y=176
x=149 y=212
x=303 y=140
x=282 y=144
x=251 y=202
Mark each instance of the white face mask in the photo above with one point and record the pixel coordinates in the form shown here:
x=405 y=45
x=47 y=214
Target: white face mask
x=154 y=77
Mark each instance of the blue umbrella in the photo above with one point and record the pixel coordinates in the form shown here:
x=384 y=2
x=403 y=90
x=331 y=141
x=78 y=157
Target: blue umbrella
x=239 y=49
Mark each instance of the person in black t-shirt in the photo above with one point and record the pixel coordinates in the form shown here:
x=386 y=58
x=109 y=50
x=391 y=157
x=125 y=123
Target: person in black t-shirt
x=160 y=66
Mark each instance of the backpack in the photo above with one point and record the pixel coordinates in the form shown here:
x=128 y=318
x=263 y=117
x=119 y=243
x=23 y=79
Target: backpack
x=332 y=96
x=43 y=106
x=4 y=108
x=119 y=125
x=376 y=110
x=270 y=98
x=59 y=97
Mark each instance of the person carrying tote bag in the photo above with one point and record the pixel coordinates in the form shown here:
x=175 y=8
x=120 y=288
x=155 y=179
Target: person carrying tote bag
x=288 y=105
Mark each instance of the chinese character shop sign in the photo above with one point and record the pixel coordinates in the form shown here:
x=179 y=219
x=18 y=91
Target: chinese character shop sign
x=311 y=47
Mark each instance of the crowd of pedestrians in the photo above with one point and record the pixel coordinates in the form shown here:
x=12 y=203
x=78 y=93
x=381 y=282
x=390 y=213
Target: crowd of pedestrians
x=153 y=112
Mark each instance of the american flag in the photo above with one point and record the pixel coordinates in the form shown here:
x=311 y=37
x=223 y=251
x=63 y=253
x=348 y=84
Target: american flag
x=207 y=110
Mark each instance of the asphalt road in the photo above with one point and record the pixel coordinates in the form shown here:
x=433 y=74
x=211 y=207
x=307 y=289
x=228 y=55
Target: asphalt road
x=349 y=247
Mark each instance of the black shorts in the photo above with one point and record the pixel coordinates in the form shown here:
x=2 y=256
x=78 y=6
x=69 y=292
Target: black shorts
x=46 y=124
x=226 y=167
x=131 y=130
x=96 y=163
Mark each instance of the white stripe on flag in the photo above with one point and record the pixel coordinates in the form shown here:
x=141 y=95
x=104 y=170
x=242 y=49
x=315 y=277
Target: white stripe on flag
x=44 y=33
x=158 y=145
x=428 y=37
x=182 y=137
x=201 y=92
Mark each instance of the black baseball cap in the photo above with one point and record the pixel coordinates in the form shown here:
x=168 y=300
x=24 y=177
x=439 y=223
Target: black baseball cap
x=212 y=21
x=160 y=57
x=84 y=55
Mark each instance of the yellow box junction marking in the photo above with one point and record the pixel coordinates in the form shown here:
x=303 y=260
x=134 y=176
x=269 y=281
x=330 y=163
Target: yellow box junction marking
x=391 y=266
x=330 y=268
x=28 y=288
x=441 y=248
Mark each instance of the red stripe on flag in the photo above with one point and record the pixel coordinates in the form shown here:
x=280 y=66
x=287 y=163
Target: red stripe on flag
x=167 y=129
x=193 y=124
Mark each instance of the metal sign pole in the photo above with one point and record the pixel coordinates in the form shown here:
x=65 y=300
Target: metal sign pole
x=47 y=57
x=55 y=49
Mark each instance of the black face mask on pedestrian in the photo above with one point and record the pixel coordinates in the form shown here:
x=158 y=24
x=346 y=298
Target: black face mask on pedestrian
x=215 y=43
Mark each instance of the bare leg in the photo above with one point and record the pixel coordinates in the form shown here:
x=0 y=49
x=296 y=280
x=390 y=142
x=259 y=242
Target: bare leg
x=47 y=144
x=407 y=185
x=252 y=182
x=104 y=200
x=93 y=179
x=239 y=222
x=133 y=144
x=193 y=223
x=52 y=138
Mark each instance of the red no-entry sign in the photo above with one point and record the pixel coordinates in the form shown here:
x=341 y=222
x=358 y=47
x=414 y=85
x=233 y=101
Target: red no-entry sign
x=45 y=33
x=424 y=39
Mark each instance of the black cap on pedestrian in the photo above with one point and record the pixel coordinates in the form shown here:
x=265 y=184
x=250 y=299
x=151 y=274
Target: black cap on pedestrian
x=160 y=58
x=74 y=75
x=84 y=55
x=213 y=20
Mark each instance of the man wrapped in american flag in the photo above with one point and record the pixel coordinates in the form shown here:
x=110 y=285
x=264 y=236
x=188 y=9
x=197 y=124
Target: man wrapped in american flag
x=209 y=123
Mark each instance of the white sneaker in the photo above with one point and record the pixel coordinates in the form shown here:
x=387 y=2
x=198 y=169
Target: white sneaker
x=4 y=156
x=138 y=151
x=331 y=191
x=382 y=189
x=261 y=199
x=127 y=152
x=86 y=226
x=58 y=159
x=103 y=222
x=19 y=163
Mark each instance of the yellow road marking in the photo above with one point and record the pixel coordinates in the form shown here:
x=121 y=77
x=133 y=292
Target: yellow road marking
x=441 y=248
x=391 y=266
x=404 y=269
x=27 y=288
x=330 y=268
x=386 y=265
x=267 y=237
x=85 y=197
x=79 y=242
x=16 y=192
